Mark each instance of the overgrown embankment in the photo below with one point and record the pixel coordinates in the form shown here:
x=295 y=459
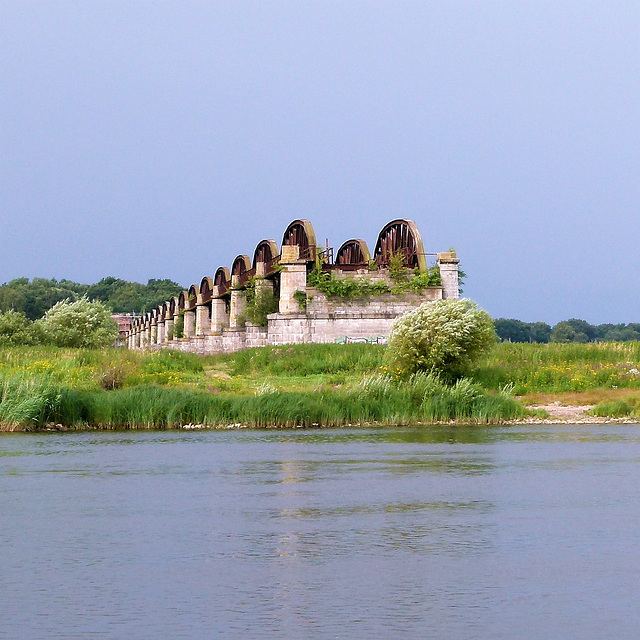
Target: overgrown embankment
x=603 y=374
x=304 y=385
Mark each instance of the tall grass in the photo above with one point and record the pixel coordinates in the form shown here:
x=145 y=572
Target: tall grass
x=556 y=368
x=25 y=400
x=377 y=399
x=307 y=359
x=291 y=385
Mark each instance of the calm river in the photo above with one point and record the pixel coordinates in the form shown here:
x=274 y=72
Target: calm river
x=516 y=532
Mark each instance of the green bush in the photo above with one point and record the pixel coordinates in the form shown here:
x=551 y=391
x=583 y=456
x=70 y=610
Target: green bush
x=442 y=337
x=612 y=409
x=16 y=329
x=82 y=323
x=261 y=301
x=178 y=327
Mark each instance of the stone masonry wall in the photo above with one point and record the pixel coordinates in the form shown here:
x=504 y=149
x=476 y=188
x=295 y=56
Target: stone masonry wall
x=324 y=320
x=216 y=329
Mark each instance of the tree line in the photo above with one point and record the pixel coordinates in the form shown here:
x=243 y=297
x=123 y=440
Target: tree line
x=34 y=298
x=573 y=330
x=31 y=299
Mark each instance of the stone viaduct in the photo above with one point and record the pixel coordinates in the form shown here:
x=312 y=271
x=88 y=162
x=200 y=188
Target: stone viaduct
x=212 y=317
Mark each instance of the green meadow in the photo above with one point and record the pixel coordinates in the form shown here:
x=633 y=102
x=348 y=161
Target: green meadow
x=303 y=385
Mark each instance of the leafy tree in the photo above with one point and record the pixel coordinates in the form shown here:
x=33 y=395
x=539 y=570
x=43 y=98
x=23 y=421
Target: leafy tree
x=80 y=323
x=104 y=289
x=35 y=297
x=158 y=291
x=540 y=332
x=17 y=329
x=442 y=337
x=510 y=330
x=564 y=332
x=573 y=330
x=621 y=334
x=618 y=332
x=126 y=297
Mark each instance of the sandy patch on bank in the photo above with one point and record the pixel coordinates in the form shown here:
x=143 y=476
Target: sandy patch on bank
x=571 y=414
x=565 y=412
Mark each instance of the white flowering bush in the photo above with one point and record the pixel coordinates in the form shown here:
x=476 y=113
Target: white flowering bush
x=83 y=323
x=442 y=337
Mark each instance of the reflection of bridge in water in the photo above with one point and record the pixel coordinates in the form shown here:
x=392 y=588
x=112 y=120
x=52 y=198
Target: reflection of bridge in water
x=213 y=313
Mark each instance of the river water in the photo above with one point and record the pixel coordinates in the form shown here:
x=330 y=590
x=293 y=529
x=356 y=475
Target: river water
x=501 y=532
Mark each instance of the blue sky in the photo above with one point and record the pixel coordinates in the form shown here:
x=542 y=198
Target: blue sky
x=159 y=140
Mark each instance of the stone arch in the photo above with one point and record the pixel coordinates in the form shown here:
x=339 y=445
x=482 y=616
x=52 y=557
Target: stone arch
x=173 y=306
x=301 y=233
x=353 y=252
x=401 y=236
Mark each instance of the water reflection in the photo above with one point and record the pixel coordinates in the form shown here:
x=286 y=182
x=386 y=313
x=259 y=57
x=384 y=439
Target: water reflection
x=449 y=532
x=367 y=509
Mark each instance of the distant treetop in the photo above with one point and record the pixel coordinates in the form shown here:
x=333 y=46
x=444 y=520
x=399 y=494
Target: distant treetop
x=34 y=298
x=572 y=330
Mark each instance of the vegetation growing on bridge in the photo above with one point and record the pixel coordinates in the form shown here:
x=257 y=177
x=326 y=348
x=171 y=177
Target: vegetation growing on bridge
x=403 y=280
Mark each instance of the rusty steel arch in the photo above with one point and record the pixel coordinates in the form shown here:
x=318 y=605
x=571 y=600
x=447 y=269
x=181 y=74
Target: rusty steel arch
x=192 y=300
x=241 y=268
x=241 y=265
x=267 y=253
x=183 y=301
x=353 y=253
x=222 y=281
x=401 y=237
x=206 y=289
x=301 y=233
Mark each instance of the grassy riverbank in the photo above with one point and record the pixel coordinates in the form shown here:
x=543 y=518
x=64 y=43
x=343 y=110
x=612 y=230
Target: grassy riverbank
x=306 y=385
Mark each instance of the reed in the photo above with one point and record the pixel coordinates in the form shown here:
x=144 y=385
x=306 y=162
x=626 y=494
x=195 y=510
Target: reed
x=377 y=400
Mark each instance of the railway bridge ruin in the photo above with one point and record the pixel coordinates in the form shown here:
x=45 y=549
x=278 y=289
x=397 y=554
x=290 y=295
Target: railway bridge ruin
x=314 y=294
